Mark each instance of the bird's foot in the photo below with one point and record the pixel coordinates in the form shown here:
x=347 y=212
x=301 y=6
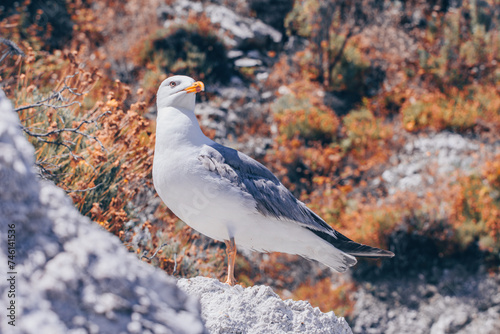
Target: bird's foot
x=231 y=280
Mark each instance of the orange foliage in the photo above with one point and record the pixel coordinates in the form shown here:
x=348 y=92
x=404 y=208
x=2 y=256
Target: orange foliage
x=476 y=208
x=457 y=110
x=328 y=296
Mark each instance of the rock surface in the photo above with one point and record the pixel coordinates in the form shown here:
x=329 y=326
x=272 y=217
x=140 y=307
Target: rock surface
x=237 y=31
x=423 y=159
x=257 y=309
x=457 y=303
x=72 y=276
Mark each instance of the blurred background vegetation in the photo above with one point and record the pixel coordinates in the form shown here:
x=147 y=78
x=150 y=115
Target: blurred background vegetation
x=85 y=75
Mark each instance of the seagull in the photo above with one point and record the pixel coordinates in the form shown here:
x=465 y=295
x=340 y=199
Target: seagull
x=228 y=196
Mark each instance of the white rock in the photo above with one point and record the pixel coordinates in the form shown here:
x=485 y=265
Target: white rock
x=231 y=54
x=257 y=309
x=261 y=77
x=247 y=62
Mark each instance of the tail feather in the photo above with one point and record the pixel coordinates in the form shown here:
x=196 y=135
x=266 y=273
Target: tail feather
x=336 y=259
x=350 y=247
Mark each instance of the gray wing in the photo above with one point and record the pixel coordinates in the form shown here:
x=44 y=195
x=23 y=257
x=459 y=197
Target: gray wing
x=272 y=198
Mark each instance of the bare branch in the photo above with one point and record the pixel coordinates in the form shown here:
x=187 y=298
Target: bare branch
x=42 y=104
x=152 y=256
x=64 y=96
x=58 y=143
x=73 y=130
x=57 y=95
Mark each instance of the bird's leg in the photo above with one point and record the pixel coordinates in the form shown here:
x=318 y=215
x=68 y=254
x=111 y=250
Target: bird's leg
x=231 y=257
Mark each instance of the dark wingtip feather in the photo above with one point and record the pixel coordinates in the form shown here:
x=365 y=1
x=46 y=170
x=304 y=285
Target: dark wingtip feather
x=350 y=247
x=371 y=252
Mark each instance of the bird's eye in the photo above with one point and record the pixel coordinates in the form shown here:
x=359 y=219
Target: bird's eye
x=172 y=84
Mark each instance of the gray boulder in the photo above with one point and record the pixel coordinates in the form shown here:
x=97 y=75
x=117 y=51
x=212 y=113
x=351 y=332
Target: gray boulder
x=71 y=276
x=237 y=31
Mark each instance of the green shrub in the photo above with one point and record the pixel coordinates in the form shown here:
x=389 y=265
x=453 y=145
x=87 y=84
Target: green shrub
x=298 y=117
x=363 y=131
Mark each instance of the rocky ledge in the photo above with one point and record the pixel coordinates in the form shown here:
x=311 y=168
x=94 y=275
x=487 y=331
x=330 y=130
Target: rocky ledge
x=257 y=309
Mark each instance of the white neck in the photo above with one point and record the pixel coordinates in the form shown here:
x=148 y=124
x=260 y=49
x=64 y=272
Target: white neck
x=176 y=128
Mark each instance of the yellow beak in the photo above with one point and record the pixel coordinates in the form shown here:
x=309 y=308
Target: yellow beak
x=197 y=87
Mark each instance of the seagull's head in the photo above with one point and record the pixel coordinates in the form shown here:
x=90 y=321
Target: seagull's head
x=178 y=91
